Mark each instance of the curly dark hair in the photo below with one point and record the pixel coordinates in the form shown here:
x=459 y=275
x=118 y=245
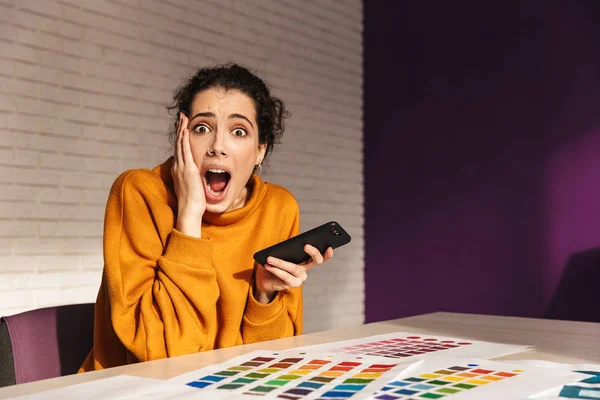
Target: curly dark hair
x=270 y=111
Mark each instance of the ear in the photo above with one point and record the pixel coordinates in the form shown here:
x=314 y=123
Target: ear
x=262 y=149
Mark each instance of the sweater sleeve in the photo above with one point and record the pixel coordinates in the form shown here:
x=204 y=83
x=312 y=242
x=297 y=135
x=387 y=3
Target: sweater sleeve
x=160 y=294
x=283 y=316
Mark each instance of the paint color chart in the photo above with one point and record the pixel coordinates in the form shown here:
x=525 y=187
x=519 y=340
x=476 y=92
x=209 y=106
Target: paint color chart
x=444 y=382
x=296 y=375
x=402 y=347
x=407 y=345
x=473 y=379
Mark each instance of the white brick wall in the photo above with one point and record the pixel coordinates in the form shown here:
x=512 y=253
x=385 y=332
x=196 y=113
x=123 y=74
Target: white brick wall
x=83 y=86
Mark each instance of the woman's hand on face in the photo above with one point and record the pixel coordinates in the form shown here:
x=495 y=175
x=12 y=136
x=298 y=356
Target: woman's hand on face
x=279 y=275
x=188 y=183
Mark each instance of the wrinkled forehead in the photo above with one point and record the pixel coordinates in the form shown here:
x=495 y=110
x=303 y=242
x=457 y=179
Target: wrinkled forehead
x=224 y=102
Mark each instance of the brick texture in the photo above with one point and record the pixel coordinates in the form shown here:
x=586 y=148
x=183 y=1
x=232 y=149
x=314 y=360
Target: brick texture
x=83 y=90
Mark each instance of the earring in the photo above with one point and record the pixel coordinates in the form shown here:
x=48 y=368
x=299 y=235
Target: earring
x=258 y=168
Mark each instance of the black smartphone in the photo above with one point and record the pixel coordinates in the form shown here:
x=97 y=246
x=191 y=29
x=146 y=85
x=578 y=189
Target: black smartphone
x=322 y=237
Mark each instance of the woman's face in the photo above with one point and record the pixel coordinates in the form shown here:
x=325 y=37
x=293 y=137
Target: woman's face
x=225 y=147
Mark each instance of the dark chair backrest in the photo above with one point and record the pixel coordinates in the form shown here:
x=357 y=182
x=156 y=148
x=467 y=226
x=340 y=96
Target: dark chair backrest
x=576 y=296
x=45 y=343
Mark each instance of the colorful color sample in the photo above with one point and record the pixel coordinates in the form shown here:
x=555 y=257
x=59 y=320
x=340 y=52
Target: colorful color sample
x=362 y=375
x=247 y=372
x=578 y=392
x=409 y=345
x=443 y=382
x=326 y=377
x=400 y=347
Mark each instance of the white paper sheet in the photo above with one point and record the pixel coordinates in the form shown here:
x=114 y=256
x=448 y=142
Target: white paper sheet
x=293 y=373
x=463 y=379
x=116 y=387
x=403 y=345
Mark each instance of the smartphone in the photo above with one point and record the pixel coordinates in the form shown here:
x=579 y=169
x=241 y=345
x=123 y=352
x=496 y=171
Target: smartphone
x=322 y=237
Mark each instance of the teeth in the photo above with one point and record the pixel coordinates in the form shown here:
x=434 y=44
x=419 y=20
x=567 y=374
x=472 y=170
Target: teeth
x=217 y=171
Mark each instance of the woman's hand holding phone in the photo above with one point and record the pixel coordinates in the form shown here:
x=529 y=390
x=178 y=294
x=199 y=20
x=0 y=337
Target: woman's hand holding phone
x=280 y=275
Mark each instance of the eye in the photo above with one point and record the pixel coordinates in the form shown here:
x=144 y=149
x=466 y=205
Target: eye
x=201 y=128
x=239 y=132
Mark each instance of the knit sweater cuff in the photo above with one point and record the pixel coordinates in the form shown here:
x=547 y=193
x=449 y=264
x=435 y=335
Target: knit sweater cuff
x=189 y=250
x=258 y=313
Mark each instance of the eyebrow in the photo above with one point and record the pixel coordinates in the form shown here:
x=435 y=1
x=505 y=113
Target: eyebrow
x=212 y=115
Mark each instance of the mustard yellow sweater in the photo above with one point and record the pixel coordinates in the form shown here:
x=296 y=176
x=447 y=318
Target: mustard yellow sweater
x=165 y=294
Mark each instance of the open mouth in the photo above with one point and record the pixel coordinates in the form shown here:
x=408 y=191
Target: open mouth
x=217 y=181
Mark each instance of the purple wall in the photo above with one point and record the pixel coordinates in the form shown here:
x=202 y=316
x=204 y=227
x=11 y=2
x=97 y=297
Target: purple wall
x=482 y=152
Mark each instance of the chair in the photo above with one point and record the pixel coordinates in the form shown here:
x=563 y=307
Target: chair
x=576 y=296
x=45 y=343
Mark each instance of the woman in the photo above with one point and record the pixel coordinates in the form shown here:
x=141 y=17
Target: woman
x=179 y=276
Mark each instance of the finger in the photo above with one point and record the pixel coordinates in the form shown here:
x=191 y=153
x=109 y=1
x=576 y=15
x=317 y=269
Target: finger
x=314 y=253
x=288 y=280
x=178 y=155
x=291 y=268
x=186 y=148
x=277 y=282
x=328 y=254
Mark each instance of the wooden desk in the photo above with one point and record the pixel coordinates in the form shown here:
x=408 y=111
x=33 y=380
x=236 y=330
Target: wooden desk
x=559 y=341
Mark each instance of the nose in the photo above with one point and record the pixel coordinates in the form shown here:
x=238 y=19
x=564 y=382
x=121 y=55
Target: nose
x=218 y=146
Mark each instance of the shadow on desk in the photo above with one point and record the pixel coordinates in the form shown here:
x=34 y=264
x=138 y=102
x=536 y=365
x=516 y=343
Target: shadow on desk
x=576 y=296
